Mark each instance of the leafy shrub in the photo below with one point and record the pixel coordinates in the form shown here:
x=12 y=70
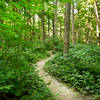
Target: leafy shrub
x=81 y=69
x=35 y=54
x=56 y=45
x=86 y=58
x=49 y=44
x=20 y=80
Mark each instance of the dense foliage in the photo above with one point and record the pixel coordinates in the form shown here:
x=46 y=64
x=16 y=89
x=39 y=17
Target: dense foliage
x=35 y=53
x=30 y=28
x=18 y=78
x=80 y=69
x=19 y=50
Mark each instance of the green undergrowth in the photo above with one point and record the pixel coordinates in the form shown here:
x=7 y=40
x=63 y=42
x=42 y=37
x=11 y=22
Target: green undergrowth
x=56 y=45
x=19 y=80
x=35 y=53
x=80 y=69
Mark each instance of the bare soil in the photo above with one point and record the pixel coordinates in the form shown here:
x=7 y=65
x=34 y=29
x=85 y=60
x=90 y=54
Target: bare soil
x=60 y=90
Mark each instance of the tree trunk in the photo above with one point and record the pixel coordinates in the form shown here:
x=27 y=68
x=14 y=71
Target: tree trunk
x=87 y=34
x=60 y=30
x=67 y=28
x=48 y=26
x=73 y=32
x=55 y=20
x=53 y=28
x=43 y=27
x=79 y=35
x=88 y=31
x=39 y=37
x=98 y=24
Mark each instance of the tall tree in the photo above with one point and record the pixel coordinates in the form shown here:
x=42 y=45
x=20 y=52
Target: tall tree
x=55 y=20
x=97 y=20
x=67 y=28
x=73 y=31
x=43 y=26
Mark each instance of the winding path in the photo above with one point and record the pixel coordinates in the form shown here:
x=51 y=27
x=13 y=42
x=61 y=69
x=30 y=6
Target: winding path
x=60 y=90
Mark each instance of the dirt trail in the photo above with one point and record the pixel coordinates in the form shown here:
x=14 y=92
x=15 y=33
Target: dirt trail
x=60 y=90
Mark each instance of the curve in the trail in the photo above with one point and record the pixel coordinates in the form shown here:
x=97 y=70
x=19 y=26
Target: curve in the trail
x=60 y=90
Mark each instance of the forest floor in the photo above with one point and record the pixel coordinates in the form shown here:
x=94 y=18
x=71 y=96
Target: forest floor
x=59 y=89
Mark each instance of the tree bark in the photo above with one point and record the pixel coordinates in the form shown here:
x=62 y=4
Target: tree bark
x=60 y=30
x=55 y=20
x=67 y=28
x=48 y=26
x=98 y=22
x=53 y=28
x=33 y=31
x=87 y=33
x=73 y=31
x=43 y=26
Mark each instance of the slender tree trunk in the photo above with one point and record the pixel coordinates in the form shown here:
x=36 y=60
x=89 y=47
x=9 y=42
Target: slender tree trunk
x=33 y=31
x=60 y=30
x=2 y=38
x=27 y=20
x=43 y=26
x=30 y=29
x=48 y=26
x=39 y=29
x=55 y=20
x=67 y=28
x=34 y=20
x=88 y=29
x=73 y=32
x=78 y=30
x=53 y=28
x=79 y=35
x=87 y=34
x=98 y=23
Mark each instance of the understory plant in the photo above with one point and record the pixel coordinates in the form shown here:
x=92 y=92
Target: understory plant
x=19 y=80
x=80 y=69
